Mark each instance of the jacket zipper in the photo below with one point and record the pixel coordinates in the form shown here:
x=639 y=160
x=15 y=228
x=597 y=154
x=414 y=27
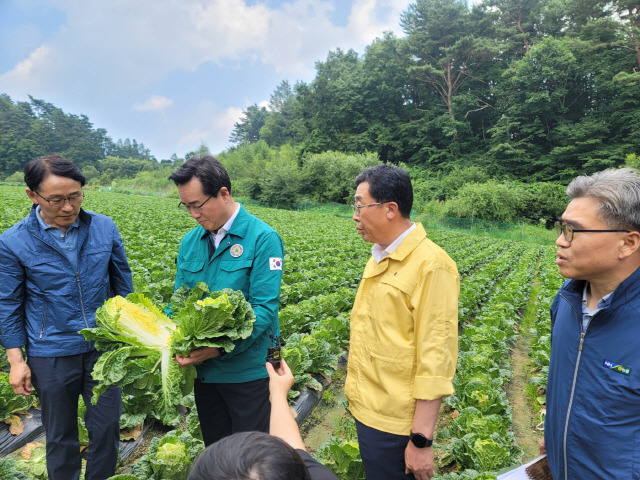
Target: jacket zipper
x=84 y=315
x=573 y=387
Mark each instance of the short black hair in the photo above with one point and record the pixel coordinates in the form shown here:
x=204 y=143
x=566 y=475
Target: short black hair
x=208 y=170
x=388 y=183
x=249 y=456
x=39 y=169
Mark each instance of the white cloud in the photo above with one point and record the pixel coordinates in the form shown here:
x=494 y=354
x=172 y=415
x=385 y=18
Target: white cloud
x=31 y=72
x=26 y=67
x=122 y=44
x=208 y=126
x=364 y=22
x=154 y=103
x=228 y=119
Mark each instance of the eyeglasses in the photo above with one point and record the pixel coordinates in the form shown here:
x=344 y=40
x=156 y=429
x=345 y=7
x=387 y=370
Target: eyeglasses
x=356 y=208
x=193 y=208
x=568 y=231
x=74 y=200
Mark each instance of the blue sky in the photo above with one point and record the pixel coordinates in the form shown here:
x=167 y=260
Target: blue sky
x=175 y=73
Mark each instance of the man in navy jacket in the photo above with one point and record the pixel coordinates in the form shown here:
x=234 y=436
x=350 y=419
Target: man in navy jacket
x=592 y=427
x=57 y=266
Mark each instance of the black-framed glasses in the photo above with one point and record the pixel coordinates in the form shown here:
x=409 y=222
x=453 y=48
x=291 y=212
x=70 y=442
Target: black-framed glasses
x=568 y=231
x=356 y=208
x=74 y=200
x=193 y=208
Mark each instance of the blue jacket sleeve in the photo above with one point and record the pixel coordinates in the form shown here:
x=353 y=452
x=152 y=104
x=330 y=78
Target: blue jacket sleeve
x=12 y=278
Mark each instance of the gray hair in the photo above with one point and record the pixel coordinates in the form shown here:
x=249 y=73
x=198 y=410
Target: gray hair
x=619 y=193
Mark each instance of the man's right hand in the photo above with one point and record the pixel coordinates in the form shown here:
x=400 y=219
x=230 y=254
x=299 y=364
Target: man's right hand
x=20 y=373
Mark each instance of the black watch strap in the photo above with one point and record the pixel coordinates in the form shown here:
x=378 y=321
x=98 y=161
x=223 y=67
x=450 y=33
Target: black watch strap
x=420 y=441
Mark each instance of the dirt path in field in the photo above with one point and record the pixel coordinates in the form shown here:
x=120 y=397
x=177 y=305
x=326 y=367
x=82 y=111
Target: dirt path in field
x=324 y=420
x=524 y=418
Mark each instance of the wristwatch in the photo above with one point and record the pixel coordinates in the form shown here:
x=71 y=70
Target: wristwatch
x=420 y=441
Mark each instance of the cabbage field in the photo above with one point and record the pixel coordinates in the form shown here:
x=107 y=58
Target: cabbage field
x=506 y=290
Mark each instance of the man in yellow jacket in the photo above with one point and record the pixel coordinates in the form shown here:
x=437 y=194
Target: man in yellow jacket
x=404 y=331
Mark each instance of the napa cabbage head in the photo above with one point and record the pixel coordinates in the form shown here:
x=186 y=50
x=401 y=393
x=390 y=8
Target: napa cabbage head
x=490 y=455
x=136 y=337
x=33 y=462
x=133 y=320
x=217 y=320
x=139 y=342
x=169 y=457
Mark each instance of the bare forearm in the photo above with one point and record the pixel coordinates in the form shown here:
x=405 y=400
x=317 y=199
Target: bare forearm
x=425 y=416
x=419 y=461
x=282 y=423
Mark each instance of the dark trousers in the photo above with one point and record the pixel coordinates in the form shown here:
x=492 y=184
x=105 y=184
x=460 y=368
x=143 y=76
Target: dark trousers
x=382 y=453
x=59 y=381
x=227 y=408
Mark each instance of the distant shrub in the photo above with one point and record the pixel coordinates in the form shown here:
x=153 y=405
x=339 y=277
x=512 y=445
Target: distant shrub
x=16 y=177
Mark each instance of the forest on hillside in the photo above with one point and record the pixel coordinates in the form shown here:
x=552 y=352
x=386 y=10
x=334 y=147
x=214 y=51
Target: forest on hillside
x=532 y=89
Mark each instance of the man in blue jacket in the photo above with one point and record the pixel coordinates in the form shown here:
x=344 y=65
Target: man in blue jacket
x=57 y=266
x=229 y=249
x=592 y=427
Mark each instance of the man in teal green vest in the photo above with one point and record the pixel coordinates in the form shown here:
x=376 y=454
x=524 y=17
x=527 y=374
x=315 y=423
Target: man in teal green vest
x=229 y=249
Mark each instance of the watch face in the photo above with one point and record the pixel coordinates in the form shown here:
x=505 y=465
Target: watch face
x=420 y=441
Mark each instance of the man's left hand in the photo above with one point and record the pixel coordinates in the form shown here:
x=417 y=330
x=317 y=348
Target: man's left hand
x=198 y=356
x=419 y=461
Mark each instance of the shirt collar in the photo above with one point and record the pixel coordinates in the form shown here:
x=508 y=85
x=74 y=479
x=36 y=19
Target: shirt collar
x=604 y=301
x=222 y=231
x=379 y=253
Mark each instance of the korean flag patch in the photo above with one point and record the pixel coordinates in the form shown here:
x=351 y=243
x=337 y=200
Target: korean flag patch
x=275 y=263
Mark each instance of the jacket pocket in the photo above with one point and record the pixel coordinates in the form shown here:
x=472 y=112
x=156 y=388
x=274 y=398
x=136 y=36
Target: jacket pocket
x=385 y=380
x=236 y=274
x=191 y=272
x=50 y=275
x=235 y=265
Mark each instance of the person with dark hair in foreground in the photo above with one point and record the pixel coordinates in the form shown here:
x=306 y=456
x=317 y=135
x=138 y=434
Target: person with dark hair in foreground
x=278 y=455
x=57 y=266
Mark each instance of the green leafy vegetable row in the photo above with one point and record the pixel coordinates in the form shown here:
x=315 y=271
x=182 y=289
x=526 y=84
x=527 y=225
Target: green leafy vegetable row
x=479 y=438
